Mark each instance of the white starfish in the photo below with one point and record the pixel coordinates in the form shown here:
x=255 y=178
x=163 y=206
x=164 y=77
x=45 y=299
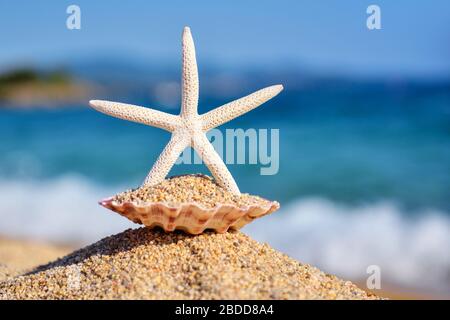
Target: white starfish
x=189 y=128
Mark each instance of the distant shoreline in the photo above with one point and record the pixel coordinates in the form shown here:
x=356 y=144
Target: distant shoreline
x=27 y=88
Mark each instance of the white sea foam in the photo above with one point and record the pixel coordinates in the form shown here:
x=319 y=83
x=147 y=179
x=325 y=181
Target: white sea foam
x=411 y=251
x=64 y=210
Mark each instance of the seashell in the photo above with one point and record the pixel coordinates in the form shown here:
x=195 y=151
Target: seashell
x=192 y=218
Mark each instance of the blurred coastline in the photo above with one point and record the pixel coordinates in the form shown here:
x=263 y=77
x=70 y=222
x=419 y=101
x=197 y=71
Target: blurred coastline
x=30 y=88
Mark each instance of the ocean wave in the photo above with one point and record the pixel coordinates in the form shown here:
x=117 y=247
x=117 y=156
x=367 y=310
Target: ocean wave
x=343 y=240
x=61 y=210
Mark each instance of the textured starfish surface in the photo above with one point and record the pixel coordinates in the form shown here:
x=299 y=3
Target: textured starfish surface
x=189 y=128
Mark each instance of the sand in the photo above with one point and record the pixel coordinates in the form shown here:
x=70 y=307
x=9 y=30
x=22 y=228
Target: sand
x=151 y=264
x=20 y=256
x=190 y=188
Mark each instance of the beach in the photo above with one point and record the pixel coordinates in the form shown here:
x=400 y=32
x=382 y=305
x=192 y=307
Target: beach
x=20 y=256
x=151 y=264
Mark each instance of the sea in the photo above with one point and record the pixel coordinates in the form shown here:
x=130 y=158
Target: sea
x=363 y=179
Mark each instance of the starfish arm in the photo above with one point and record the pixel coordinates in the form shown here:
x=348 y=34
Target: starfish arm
x=234 y=109
x=138 y=114
x=214 y=163
x=167 y=159
x=189 y=76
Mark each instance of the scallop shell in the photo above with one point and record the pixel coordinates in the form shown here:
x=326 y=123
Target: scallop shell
x=190 y=217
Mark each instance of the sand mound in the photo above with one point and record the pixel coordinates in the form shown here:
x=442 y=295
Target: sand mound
x=151 y=264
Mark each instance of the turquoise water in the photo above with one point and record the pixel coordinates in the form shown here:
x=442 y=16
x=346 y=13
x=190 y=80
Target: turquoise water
x=345 y=145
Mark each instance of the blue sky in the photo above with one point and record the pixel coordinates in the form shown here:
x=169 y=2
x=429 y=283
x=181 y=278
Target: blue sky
x=323 y=36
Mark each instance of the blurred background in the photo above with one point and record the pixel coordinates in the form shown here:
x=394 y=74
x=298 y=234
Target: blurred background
x=364 y=122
